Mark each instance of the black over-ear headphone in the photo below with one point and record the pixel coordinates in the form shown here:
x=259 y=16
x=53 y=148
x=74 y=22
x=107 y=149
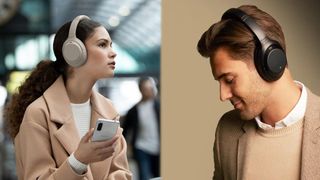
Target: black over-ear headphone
x=73 y=50
x=269 y=58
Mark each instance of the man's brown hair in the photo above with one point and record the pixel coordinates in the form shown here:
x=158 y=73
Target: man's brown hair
x=236 y=37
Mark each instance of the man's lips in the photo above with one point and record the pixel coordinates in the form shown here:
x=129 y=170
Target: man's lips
x=236 y=104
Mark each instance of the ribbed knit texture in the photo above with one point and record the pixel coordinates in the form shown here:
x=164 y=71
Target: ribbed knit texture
x=76 y=165
x=274 y=154
x=82 y=115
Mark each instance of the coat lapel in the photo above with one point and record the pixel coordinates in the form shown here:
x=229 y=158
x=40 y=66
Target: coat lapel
x=68 y=136
x=100 y=108
x=249 y=127
x=310 y=165
x=65 y=131
x=61 y=114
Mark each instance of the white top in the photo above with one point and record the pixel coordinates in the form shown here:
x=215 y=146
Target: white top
x=294 y=115
x=82 y=115
x=148 y=136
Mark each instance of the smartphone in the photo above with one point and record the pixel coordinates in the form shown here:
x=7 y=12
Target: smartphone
x=105 y=129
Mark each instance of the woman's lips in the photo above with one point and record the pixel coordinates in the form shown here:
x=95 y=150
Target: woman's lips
x=112 y=64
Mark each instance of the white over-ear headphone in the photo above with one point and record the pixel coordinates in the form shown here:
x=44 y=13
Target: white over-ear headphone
x=73 y=49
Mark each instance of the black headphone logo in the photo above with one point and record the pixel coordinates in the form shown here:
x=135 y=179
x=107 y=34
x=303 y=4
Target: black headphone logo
x=269 y=58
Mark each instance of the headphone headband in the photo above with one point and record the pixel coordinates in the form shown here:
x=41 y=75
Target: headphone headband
x=239 y=15
x=74 y=24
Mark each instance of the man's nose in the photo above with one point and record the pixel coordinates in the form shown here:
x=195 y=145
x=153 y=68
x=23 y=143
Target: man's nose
x=225 y=92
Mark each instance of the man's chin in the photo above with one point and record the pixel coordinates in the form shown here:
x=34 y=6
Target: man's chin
x=246 y=115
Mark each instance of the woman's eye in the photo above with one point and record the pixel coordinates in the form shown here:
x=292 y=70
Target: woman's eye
x=102 y=45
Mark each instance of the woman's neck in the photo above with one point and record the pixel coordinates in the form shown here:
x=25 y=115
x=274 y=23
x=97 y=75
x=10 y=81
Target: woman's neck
x=78 y=90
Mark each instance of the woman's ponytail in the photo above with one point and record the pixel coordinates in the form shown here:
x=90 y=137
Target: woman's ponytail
x=45 y=73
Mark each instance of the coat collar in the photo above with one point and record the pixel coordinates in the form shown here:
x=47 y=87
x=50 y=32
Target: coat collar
x=60 y=113
x=310 y=141
x=249 y=128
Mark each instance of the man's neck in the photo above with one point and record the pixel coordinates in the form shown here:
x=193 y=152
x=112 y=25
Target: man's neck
x=284 y=97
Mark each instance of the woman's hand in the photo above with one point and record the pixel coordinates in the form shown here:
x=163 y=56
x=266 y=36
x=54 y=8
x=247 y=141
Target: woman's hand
x=89 y=152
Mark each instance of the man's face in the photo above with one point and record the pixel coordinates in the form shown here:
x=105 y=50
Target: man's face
x=240 y=84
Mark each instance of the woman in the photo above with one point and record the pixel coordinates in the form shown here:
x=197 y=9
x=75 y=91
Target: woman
x=51 y=118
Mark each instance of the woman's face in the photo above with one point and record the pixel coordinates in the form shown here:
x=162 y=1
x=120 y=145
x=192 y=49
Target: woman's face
x=101 y=57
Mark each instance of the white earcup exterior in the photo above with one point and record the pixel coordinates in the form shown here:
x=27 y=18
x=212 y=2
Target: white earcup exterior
x=74 y=52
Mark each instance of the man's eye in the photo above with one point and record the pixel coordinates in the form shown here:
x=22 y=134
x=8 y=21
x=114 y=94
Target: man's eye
x=229 y=81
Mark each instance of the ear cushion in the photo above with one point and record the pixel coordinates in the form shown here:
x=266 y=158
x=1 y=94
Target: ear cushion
x=74 y=52
x=270 y=61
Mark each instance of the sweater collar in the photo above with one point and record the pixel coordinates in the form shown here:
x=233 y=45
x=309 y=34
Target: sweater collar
x=293 y=116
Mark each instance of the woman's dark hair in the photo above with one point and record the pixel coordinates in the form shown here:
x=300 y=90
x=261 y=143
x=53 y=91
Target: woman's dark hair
x=43 y=76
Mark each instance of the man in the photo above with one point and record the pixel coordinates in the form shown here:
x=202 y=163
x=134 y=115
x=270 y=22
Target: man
x=143 y=120
x=273 y=132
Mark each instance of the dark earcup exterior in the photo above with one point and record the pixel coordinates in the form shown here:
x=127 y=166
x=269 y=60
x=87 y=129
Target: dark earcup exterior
x=270 y=61
x=275 y=63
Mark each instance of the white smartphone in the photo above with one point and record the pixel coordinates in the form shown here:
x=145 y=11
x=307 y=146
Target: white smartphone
x=105 y=129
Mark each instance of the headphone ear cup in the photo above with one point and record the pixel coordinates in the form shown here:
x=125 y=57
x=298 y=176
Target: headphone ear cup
x=74 y=52
x=269 y=57
x=275 y=62
x=270 y=63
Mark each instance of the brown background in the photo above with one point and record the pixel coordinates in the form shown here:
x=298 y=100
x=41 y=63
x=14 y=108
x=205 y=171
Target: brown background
x=190 y=96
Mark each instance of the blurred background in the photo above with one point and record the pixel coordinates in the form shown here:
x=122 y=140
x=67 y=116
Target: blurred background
x=27 y=30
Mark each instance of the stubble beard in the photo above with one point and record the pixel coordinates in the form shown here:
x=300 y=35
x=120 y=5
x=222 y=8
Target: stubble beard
x=255 y=101
x=250 y=112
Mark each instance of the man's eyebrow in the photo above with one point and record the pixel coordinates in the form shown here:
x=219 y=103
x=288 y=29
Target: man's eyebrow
x=222 y=75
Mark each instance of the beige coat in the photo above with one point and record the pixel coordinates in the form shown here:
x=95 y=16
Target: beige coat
x=48 y=135
x=231 y=139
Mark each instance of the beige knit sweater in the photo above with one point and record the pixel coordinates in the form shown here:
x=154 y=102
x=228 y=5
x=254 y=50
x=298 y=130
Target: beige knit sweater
x=274 y=154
